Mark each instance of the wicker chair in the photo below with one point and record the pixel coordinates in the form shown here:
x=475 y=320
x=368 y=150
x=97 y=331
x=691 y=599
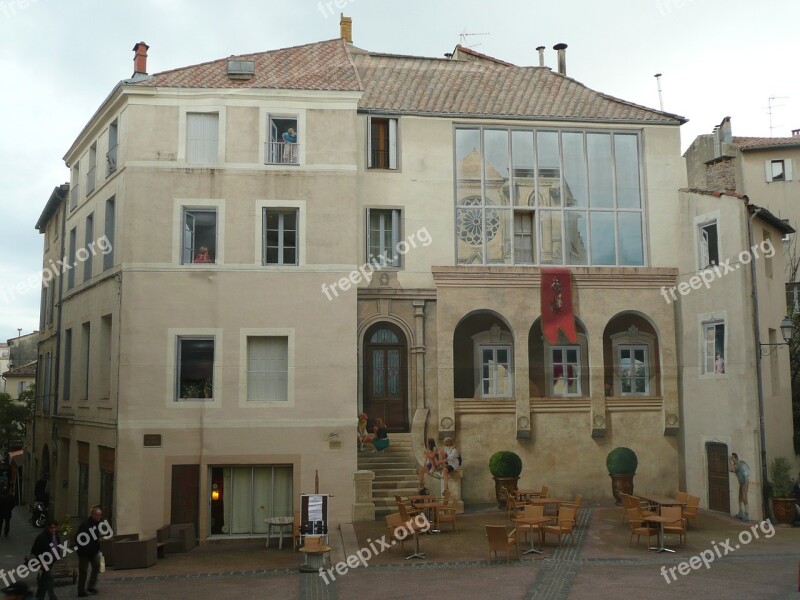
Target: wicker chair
x=531 y=511
x=394 y=522
x=566 y=521
x=690 y=510
x=639 y=526
x=446 y=513
x=501 y=539
x=678 y=526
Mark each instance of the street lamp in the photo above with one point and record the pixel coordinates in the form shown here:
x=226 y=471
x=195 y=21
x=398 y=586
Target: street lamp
x=787 y=331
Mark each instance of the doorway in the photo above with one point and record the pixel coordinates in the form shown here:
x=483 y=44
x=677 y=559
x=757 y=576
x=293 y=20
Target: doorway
x=719 y=496
x=385 y=376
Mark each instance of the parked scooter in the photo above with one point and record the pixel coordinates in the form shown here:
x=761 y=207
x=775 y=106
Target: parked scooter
x=38 y=514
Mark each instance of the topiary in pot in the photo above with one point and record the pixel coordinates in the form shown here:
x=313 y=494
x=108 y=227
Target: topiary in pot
x=621 y=463
x=505 y=467
x=782 y=498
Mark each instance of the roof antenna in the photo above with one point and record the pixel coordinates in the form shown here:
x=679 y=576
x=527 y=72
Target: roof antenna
x=770 y=107
x=464 y=35
x=660 y=97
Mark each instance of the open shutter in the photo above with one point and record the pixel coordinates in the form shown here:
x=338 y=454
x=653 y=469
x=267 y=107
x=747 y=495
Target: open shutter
x=704 y=252
x=768 y=169
x=392 y=143
x=188 y=238
x=369 y=142
x=396 y=258
x=787 y=166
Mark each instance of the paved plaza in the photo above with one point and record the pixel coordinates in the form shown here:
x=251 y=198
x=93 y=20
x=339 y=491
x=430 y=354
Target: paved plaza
x=597 y=564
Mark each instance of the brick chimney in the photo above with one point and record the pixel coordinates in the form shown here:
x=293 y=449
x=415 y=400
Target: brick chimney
x=562 y=58
x=140 y=59
x=346 y=28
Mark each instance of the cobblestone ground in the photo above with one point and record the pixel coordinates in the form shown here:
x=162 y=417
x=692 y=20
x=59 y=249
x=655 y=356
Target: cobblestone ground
x=569 y=573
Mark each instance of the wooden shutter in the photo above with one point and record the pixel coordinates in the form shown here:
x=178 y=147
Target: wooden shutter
x=106 y=458
x=768 y=169
x=267 y=369
x=83 y=452
x=787 y=169
x=202 y=137
x=392 y=143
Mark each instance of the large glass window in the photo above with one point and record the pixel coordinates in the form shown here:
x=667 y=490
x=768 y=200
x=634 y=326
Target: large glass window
x=199 y=236
x=714 y=347
x=195 y=368
x=551 y=197
x=383 y=235
x=280 y=236
x=566 y=370
x=243 y=496
x=633 y=376
x=496 y=371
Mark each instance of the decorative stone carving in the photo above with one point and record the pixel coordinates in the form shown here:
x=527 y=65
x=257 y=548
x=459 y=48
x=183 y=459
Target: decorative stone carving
x=447 y=423
x=671 y=424
x=523 y=423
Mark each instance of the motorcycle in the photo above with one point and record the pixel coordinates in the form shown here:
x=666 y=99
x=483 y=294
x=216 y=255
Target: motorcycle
x=38 y=514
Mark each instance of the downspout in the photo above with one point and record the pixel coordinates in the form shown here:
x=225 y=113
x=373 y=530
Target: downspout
x=759 y=375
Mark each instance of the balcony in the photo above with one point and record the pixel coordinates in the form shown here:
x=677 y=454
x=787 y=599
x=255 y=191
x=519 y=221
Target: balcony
x=281 y=153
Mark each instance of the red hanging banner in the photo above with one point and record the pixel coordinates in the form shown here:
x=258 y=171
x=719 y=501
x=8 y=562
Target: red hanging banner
x=557 y=305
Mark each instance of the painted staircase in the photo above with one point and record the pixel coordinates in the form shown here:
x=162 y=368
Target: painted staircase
x=395 y=472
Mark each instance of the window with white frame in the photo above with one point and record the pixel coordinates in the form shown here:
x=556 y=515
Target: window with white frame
x=199 y=230
x=90 y=173
x=202 y=138
x=195 y=368
x=383 y=236
x=382 y=143
x=21 y=387
x=709 y=245
x=88 y=240
x=111 y=155
x=632 y=362
x=267 y=369
x=73 y=240
x=496 y=374
x=75 y=188
x=566 y=370
x=282 y=145
x=280 y=237
x=778 y=169
x=714 y=348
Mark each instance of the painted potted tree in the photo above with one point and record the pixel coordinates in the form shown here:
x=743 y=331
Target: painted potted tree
x=505 y=467
x=621 y=464
x=782 y=499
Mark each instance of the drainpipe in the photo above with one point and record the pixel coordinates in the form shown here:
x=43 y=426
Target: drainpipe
x=759 y=375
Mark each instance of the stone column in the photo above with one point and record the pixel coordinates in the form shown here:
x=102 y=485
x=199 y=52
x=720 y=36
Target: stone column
x=418 y=352
x=363 y=506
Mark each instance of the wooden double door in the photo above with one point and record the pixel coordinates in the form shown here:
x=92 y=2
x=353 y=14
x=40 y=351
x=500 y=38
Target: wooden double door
x=719 y=494
x=386 y=376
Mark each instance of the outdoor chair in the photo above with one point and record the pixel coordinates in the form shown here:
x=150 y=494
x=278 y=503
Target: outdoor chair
x=566 y=521
x=639 y=526
x=576 y=504
x=634 y=502
x=690 y=510
x=501 y=539
x=512 y=506
x=177 y=538
x=394 y=522
x=678 y=526
x=107 y=546
x=682 y=496
x=135 y=554
x=410 y=510
x=447 y=513
x=296 y=531
x=531 y=511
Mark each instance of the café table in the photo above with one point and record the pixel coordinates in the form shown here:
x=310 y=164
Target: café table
x=532 y=523
x=524 y=495
x=656 y=500
x=415 y=532
x=660 y=520
x=431 y=507
x=279 y=523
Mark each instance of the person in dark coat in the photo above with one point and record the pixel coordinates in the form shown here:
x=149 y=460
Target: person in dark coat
x=7 y=503
x=16 y=591
x=89 y=552
x=46 y=543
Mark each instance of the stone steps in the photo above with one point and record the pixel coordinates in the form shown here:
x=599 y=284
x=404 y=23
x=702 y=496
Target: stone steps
x=395 y=472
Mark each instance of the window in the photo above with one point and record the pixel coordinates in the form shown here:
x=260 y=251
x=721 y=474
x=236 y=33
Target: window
x=88 y=239
x=496 y=372
x=195 y=368
x=267 y=369
x=104 y=364
x=246 y=496
x=778 y=169
x=108 y=255
x=634 y=378
x=383 y=235
x=90 y=179
x=549 y=197
x=199 y=236
x=21 y=386
x=73 y=235
x=709 y=245
x=282 y=145
x=83 y=478
x=714 y=348
x=566 y=370
x=111 y=155
x=51 y=299
x=280 y=236
x=382 y=143
x=202 y=134
x=75 y=189
x=767 y=259
x=67 y=389
x=85 y=357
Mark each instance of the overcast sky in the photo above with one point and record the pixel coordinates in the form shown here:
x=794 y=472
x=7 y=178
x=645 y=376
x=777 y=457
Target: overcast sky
x=59 y=60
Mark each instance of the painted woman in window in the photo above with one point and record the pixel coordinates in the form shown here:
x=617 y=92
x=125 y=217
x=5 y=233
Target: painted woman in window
x=203 y=256
x=290 y=145
x=719 y=364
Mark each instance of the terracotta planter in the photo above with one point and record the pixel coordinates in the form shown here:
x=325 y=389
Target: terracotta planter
x=783 y=509
x=508 y=484
x=621 y=483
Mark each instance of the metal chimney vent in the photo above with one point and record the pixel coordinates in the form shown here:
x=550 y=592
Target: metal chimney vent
x=241 y=69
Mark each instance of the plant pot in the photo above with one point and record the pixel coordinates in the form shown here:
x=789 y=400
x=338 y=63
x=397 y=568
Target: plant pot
x=503 y=485
x=783 y=510
x=621 y=483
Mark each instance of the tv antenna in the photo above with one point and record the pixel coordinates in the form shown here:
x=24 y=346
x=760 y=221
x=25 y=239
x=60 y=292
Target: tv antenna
x=464 y=35
x=660 y=97
x=769 y=109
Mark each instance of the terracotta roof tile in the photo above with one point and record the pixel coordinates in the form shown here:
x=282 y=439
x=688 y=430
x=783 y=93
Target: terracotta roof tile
x=318 y=66
x=762 y=143
x=28 y=370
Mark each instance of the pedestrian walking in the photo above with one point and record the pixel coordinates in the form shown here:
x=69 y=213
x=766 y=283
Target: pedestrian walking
x=89 y=553
x=46 y=543
x=7 y=503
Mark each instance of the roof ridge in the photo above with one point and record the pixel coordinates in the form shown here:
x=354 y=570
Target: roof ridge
x=483 y=56
x=352 y=63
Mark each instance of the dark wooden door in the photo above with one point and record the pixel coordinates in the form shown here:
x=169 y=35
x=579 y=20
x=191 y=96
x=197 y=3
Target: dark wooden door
x=385 y=377
x=719 y=496
x=185 y=503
